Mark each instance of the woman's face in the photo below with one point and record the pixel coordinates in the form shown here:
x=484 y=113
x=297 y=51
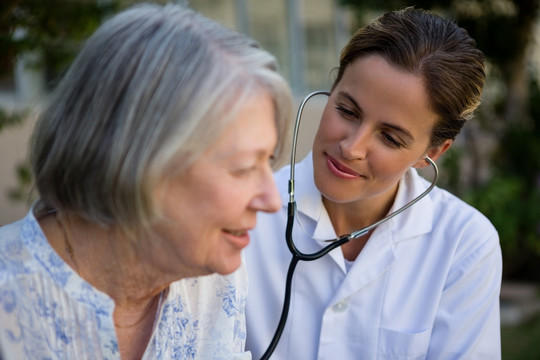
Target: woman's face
x=376 y=125
x=209 y=208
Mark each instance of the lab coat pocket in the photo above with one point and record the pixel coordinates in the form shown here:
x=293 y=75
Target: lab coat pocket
x=400 y=345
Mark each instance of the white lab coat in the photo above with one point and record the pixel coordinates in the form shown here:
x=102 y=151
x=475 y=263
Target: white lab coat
x=425 y=286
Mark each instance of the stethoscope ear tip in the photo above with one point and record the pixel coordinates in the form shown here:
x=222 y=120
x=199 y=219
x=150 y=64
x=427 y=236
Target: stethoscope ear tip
x=429 y=160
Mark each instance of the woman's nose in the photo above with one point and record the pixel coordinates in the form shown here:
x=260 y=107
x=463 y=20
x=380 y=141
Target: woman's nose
x=355 y=145
x=268 y=198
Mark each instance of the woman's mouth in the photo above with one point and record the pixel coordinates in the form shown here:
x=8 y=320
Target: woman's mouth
x=238 y=238
x=340 y=170
x=236 y=232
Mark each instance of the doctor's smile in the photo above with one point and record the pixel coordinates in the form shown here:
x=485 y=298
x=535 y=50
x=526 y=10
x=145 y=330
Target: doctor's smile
x=340 y=170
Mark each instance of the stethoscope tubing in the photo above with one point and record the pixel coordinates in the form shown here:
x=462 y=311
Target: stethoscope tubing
x=295 y=139
x=297 y=255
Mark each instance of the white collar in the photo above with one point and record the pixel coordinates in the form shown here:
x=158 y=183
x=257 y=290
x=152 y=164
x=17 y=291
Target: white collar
x=416 y=220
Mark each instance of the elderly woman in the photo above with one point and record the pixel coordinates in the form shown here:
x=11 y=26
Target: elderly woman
x=151 y=161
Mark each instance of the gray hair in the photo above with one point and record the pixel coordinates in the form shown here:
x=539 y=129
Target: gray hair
x=153 y=86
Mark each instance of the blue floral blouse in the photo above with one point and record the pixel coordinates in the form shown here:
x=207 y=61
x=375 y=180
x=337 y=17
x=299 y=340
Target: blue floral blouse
x=48 y=312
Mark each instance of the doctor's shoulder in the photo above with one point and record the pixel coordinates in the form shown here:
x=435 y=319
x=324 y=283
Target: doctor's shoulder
x=462 y=221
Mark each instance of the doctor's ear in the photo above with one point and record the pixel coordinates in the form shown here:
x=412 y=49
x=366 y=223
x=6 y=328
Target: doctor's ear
x=434 y=153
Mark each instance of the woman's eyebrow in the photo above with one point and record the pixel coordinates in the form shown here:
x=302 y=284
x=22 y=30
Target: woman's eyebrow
x=406 y=133
x=347 y=96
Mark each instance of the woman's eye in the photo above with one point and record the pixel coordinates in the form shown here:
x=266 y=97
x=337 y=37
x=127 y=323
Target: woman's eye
x=390 y=140
x=252 y=167
x=242 y=171
x=345 y=112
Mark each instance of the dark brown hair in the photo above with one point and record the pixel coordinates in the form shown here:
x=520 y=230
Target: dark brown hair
x=438 y=50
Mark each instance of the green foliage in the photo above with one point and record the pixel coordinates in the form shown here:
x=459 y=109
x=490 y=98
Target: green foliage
x=11 y=118
x=521 y=342
x=511 y=199
x=56 y=27
x=23 y=190
x=502 y=32
x=513 y=208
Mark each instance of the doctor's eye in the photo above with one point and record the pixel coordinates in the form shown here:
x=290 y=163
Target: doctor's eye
x=346 y=112
x=389 y=139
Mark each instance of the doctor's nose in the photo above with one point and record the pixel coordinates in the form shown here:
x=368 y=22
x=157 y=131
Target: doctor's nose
x=355 y=145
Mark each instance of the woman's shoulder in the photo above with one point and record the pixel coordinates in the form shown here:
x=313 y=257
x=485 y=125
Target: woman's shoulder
x=467 y=231
x=460 y=224
x=450 y=207
x=13 y=251
x=11 y=231
x=447 y=211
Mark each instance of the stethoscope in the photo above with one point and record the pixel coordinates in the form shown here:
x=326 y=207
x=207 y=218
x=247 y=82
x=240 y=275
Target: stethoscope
x=334 y=243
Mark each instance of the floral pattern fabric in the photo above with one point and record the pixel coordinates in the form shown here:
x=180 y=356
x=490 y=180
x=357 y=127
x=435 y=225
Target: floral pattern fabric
x=48 y=312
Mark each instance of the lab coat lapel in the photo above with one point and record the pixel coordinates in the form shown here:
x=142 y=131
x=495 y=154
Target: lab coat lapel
x=374 y=260
x=418 y=219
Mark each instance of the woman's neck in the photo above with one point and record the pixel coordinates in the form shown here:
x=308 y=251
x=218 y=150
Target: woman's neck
x=105 y=257
x=112 y=263
x=353 y=216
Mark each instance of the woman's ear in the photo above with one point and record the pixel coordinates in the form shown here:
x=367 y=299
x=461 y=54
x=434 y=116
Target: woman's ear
x=434 y=153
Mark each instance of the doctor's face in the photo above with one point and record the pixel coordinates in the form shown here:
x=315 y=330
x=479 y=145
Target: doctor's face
x=209 y=209
x=376 y=125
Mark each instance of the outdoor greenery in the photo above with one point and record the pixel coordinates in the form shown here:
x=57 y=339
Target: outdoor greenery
x=521 y=342
x=511 y=198
x=54 y=29
x=11 y=118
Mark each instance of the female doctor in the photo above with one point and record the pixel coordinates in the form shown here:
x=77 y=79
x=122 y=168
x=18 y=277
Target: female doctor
x=424 y=285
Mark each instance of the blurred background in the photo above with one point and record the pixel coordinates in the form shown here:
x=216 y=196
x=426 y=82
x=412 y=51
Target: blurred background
x=494 y=165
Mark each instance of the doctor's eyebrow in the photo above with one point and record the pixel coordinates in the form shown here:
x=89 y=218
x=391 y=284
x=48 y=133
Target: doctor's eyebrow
x=406 y=133
x=347 y=96
x=402 y=131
